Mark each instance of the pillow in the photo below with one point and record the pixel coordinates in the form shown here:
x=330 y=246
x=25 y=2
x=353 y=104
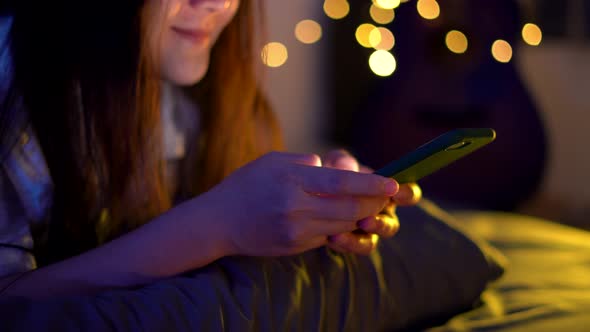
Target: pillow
x=424 y=275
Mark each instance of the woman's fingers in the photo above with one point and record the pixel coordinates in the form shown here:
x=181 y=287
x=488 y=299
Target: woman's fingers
x=365 y=169
x=337 y=248
x=344 y=208
x=390 y=208
x=308 y=159
x=383 y=225
x=337 y=182
x=362 y=244
x=408 y=194
x=341 y=159
x=320 y=202
x=330 y=227
x=314 y=242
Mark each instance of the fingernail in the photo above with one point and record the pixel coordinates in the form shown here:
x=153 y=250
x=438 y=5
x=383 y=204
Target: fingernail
x=391 y=187
x=403 y=194
x=411 y=192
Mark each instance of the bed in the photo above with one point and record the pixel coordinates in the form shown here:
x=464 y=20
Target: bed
x=546 y=284
x=440 y=273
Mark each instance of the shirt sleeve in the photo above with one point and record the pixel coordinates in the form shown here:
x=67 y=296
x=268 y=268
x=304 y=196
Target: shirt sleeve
x=16 y=241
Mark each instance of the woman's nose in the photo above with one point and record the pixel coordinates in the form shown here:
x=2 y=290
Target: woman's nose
x=211 y=5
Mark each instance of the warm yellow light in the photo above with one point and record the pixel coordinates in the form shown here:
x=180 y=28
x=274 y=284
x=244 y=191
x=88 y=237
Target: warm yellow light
x=429 y=9
x=532 y=35
x=456 y=41
x=502 y=51
x=380 y=15
x=382 y=63
x=274 y=54
x=336 y=9
x=308 y=31
x=362 y=34
x=375 y=37
x=387 y=4
x=381 y=39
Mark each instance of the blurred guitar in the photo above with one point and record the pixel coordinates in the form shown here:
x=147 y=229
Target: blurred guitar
x=435 y=90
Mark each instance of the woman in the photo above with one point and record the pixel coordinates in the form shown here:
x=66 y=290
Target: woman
x=121 y=180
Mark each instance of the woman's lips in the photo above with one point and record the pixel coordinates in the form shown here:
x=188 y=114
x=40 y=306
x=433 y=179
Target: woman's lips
x=194 y=36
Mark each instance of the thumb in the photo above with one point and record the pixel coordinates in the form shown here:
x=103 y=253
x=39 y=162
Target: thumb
x=341 y=159
x=307 y=159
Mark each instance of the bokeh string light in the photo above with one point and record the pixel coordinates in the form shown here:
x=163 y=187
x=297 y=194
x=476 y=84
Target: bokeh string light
x=381 y=61
x=531 y=34
x=336 y=9
x=380 y=15
x=274 y=54
x=456 y=41
x=308 y=31
x=502 y=51
x=428 y=9
x=363 y=33
x=381 y=39
x=387 y=4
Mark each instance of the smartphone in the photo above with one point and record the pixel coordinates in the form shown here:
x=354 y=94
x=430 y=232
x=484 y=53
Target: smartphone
x=437 y=154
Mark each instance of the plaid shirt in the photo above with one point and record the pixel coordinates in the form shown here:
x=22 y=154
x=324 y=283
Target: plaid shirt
x=25 y=199
x=26 y=188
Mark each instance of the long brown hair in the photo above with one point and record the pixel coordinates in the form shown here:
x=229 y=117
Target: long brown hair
x=91 y=95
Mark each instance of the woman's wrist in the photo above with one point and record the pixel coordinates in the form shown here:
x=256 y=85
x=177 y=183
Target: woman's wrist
x=205 y=228
x=187 y=237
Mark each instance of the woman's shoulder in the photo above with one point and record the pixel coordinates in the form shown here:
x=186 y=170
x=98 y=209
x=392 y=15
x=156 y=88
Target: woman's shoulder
x=5 y=26
x=26 y=194
x=5 y=54
x=25 y=184
x=25 y=169
x=7 y=101
x=16 y=241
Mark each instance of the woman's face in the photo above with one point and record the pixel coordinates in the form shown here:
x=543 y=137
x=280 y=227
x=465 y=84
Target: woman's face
x=183 y=33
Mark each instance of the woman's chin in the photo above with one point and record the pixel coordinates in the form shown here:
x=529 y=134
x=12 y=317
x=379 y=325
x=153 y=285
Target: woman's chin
x=182 y=76
x=186 y=80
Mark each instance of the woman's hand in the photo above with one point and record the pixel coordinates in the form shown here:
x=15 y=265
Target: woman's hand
x=279 y=204
x=283 y=204
x=385 y=224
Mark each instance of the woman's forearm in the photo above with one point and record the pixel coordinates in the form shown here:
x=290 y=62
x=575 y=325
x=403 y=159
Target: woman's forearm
x=162 y=248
